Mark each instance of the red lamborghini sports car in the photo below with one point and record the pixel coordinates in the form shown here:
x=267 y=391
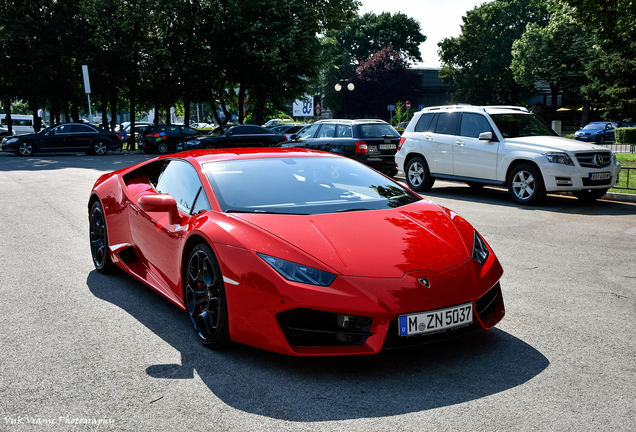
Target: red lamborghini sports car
x=295 y=251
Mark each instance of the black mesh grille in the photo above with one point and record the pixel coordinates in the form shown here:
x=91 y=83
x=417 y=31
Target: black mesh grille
x=308 y=327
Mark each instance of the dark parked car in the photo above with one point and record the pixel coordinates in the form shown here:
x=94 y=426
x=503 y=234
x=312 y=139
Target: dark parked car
x=65 y=137
x=164 y=138
x=372 y=142
x=230 y=136
x=596 y=131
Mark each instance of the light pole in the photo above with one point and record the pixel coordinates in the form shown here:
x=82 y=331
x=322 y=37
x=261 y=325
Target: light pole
x=349 y=85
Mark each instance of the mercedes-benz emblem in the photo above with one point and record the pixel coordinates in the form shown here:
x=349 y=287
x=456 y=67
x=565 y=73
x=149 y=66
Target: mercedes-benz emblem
x=424 y=282
x=598 y=159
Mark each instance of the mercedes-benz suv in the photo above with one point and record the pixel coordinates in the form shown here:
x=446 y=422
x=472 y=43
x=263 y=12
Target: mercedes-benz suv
x=503 y=146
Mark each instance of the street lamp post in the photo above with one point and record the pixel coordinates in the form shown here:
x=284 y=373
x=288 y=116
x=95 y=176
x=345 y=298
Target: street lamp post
x=349 y=85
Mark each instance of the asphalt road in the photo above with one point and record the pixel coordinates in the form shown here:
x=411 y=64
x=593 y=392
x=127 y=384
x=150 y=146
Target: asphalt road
x=79 y=348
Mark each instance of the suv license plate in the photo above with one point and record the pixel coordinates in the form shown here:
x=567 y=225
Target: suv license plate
x=600 y=176
x=387 y=146
x=436 y=320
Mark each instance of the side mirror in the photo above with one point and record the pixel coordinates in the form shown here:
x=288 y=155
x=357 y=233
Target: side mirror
x=162 y=203
x=486 y=136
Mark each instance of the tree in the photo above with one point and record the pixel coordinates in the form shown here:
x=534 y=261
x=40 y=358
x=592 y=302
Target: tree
x=556 y=54
x=476 y=64
x=381 y=80
x=612 y=70
x=344 y=49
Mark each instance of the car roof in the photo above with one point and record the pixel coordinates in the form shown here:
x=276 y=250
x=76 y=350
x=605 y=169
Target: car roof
x=499 y=109
x=351 y=121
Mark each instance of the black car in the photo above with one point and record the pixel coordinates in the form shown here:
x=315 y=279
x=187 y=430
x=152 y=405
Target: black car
x=65 y=137
x=230 y=136
x=164 y=138
x=372 y=142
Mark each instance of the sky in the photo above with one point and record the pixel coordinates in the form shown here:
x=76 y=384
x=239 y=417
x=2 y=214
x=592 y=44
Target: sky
x=438 y=19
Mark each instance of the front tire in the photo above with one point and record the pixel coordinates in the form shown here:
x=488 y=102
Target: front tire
x=418 y=176
x=98 y=235
x=205 y=298
x=601 y=139
x=525 y=185
x=25 y=149
x=590 y=195
x=162 y=148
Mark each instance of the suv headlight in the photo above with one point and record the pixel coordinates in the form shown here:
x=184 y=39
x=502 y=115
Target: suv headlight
x=298 y=273
x=558 y=157
x=480 y=250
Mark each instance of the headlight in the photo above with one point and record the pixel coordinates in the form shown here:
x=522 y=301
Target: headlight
x=558 y=157
x=298 y=273
x=480 y=250
x=11 y=140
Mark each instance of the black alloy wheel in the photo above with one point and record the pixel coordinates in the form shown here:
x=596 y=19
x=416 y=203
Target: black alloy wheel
x=25 y=149
x=205 y=298
x=98 y=235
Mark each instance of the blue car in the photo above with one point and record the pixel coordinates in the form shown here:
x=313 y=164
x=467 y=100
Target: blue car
x=598 y=132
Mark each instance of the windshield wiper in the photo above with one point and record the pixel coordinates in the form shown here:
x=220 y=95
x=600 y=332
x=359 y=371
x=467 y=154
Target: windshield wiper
x=264 y=212
x=352 y=210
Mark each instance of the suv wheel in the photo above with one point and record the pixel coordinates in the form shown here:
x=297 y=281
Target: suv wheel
x=418 y=176
x=525 y=184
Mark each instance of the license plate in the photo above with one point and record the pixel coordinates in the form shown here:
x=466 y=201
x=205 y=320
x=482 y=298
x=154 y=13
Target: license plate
x=600 y=176
x=436 y=320
x=179 y=146
x=387 y=146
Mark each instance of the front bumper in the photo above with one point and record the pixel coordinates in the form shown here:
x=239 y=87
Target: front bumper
x=563 y=178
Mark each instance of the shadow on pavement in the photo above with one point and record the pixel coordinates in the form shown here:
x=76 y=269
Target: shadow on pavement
x=335 y=388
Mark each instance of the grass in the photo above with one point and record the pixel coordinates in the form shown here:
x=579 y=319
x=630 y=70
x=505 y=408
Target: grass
x=627 y=160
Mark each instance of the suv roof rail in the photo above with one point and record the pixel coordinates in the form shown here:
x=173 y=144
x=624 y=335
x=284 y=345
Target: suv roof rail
x=453 y=107
x=510 y=107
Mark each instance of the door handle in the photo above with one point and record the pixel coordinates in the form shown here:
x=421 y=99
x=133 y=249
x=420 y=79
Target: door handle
x=459 y=142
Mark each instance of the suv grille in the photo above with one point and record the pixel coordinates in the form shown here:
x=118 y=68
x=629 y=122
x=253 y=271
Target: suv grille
x=597 y=159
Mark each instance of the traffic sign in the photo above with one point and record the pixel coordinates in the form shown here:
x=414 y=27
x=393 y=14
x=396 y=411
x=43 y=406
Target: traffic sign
x=408 y=105
x=390 y=107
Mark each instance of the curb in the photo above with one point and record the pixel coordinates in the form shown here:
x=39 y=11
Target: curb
x=612 y=196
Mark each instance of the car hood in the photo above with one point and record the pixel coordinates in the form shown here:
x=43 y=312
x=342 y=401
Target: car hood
x=372 y=243
x=549 y=143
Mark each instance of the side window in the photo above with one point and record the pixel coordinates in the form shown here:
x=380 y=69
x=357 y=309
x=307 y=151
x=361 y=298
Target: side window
x=80 y=128
x=180 y=180
x=239 y=130
x=253 y=130
x=447 y=123
x=173 y=130
x=343 y=131
x=309 y=132
x=424 y=122
x=327 y=131
x=473 y=124
x=62 y=129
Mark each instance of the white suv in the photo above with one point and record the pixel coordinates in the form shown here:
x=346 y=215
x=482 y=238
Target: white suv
x=502 y=146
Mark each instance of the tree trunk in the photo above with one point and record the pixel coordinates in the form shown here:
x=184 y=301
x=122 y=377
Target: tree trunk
x=157 y=109
x=37 y=121
x=554 y=90
x=186 y=109
x=104 y=113
x=113 y=109
x=585 y=118
x=75 y=114
x=7 y=109
x=241 y=102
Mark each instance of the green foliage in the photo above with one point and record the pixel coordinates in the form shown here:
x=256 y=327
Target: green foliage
x=344 y=49
x=400 y=115
x=476 y=64
x=556 y=54
x=626 y=135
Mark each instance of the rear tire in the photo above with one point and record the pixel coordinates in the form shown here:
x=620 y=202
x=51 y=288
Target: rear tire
x=98 y=235
x=99 y=148
x=162 y=148
x=418 y=176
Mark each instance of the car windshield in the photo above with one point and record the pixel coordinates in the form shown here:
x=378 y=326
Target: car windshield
x=220 y=130
x=302 y=185
x=521 y=125
x=595 y=126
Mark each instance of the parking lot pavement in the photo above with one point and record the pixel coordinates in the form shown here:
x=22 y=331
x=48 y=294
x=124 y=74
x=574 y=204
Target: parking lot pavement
x=85 y=351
